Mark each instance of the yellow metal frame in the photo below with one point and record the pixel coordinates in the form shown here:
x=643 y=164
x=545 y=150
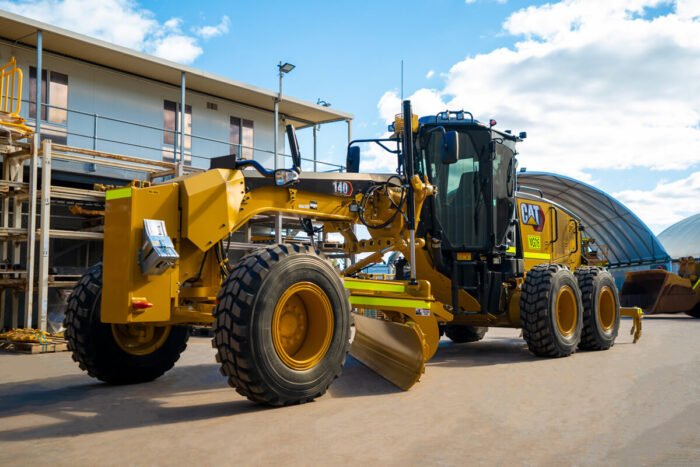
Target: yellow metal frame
x=11 y=97
x=636 y=314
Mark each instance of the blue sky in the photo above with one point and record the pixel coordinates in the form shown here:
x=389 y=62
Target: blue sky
x=608 y=90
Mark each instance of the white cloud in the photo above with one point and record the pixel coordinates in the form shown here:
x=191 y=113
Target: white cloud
x=178 y=48
x=121 y=22
x=595 y=83
x=430 y=74
x=665 y=204
x=207 y=32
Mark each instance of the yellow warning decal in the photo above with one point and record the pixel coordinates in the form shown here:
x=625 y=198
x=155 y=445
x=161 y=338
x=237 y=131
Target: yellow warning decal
x=531 y=255
x=534 y=242
x=379 y=302
x=362 y=285
x=118 y=193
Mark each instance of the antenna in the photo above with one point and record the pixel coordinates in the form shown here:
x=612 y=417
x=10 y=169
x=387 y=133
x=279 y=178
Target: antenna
x=401 y=80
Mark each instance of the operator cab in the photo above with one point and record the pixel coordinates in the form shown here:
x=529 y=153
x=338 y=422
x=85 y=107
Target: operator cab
x=473 y=215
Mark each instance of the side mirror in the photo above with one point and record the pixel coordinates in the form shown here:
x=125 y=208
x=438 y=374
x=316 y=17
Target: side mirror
x=294 y=147
x=450 y=147
x=352 y=163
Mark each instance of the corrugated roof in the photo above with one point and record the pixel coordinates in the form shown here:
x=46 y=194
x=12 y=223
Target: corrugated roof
x=629 y=241
x=682 y=238
x=61 y=41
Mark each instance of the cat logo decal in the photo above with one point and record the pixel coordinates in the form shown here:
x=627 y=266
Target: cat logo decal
x=532 y=214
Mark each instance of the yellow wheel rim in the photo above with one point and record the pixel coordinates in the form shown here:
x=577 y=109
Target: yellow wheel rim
x=606 y=309
x=139 y=339
x=566 y=311
x=302 y=326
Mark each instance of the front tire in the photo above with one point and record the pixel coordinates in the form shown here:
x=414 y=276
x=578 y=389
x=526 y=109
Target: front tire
x=551 y=311
x=282 y=325
x=117 y=353
x=601 y=308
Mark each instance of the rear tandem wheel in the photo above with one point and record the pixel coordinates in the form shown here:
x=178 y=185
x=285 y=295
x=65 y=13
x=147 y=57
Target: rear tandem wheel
x=551 y=311
x=601 y=308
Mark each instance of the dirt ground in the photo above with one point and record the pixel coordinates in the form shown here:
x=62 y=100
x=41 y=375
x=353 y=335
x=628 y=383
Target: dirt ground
x=489 y=402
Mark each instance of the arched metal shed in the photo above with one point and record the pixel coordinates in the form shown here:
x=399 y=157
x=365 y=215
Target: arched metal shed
x=629 y=241
x=683 y=238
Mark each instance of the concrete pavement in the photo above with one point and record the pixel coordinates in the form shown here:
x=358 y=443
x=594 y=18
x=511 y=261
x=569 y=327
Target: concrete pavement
x=490 y=402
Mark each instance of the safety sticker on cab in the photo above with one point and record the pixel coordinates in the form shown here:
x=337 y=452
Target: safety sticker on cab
x=534 y=242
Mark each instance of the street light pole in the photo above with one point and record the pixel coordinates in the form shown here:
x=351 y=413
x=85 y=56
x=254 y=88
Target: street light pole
x=277 y=105
x=283 y=68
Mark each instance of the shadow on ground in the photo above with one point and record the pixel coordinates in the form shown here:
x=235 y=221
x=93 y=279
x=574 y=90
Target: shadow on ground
x=358 y=380
x=491 y=351
x=76 y=404
x=80 y=405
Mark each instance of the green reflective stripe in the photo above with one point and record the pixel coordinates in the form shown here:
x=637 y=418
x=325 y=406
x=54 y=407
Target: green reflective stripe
x=118 y=193
x=511 y=250
x=395 y=302
x=537 y=255
x=388 y=287
x=696 y=284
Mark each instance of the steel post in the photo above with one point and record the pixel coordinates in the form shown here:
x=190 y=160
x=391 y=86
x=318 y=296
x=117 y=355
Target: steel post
x=45 y=234
x=5 y=224
x=39 y=53
x=315 y=159
x=278 y=216
x=31 y=231
x=353 y=258
x=182 y=123
x=278 y=227
x=16 y=175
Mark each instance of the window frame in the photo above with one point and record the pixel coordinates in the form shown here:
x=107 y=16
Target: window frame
x=240 y=148
x=56 y=131
x=170 y=135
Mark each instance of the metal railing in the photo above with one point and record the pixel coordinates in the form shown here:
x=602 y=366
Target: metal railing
x=50 y=128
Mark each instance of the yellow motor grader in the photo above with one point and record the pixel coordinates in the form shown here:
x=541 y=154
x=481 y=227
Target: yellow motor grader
x=478 y=253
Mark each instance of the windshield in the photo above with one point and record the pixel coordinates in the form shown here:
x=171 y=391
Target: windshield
x=460 y=204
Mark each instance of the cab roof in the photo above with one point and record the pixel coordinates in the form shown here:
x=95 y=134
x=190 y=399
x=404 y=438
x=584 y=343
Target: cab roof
x=462 y=118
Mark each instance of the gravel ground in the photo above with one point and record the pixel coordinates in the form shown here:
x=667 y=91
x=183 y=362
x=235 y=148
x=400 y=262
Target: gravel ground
x=489 y=402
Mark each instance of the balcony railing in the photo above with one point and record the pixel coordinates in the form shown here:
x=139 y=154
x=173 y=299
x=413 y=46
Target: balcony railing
x=156 y=152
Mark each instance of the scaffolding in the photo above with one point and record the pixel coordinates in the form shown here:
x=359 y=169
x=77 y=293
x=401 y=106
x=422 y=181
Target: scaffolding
x=26 y=219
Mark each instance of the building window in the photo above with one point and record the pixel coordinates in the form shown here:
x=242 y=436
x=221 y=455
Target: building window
x=56 y=95
x=171 y=121
x=241 y=137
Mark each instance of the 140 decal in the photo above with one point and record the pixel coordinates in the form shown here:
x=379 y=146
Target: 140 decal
x=342 y=188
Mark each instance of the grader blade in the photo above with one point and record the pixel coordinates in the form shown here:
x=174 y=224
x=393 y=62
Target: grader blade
x=395 y=351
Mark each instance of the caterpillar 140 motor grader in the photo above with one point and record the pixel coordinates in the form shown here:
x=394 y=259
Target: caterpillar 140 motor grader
x=479 y=254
